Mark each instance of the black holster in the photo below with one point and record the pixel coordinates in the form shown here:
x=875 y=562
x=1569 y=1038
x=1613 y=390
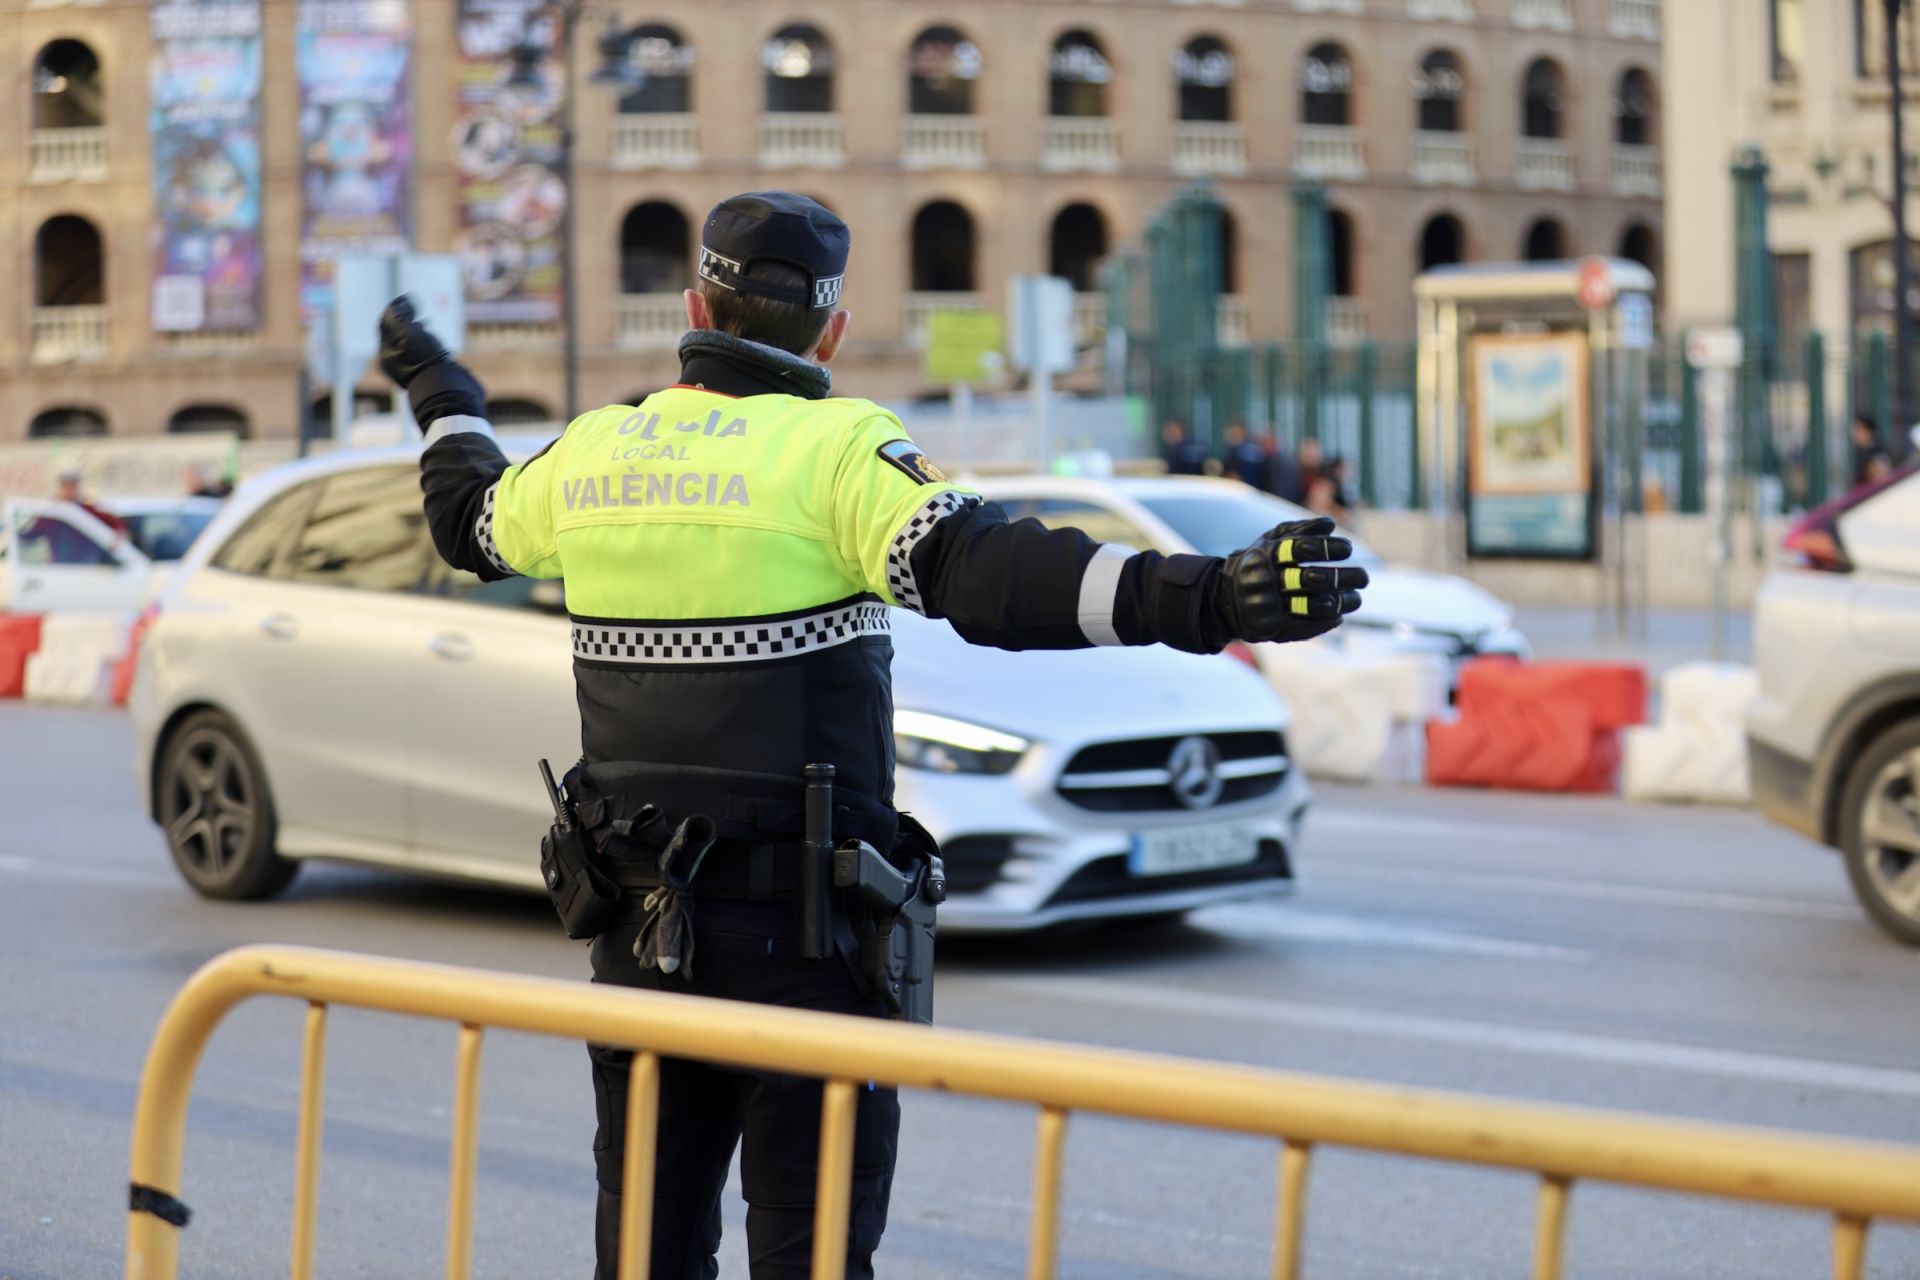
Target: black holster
x=586 y=899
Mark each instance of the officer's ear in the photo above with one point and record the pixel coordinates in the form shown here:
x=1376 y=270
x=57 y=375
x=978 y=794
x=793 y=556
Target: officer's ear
x=699 y=314
x=830 y=340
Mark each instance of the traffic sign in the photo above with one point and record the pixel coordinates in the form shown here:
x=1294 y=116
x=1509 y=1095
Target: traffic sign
x=1042 y=311
x=963 y=346
x=1636 y=321
x=1596 y=284
x=1715 y=348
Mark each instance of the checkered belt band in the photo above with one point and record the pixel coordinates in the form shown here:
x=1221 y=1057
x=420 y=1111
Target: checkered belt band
x=750 y=641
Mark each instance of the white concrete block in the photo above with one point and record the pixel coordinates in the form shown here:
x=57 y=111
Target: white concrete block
x=1694 y=758
x=1343 y=714
x=74 y=664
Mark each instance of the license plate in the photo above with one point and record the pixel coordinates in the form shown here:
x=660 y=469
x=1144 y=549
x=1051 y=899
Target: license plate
x=1185 y=849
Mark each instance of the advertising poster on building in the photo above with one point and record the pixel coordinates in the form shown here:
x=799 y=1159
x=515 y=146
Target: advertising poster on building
x=1529 y=447
x=356 y=136
x=206 y=165
x=506 y=154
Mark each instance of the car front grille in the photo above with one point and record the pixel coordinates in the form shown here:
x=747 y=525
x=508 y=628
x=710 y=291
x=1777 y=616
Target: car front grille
x=1134 y=776
x=1109 y=877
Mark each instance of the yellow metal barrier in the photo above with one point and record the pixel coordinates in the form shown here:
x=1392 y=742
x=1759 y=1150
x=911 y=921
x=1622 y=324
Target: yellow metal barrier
x=1856 y=1182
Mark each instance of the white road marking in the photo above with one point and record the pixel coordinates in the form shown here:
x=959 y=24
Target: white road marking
x=1306 y=924
x=65 y=873
x=1466 y=1033
x=1371 y=823
x=1589 y=890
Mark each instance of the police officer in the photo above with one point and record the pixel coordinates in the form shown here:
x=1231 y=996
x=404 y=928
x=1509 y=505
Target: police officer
x=730 y=547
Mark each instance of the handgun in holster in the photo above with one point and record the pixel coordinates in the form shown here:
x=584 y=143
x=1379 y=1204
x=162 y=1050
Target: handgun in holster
x=885 y=924
x=583 y=895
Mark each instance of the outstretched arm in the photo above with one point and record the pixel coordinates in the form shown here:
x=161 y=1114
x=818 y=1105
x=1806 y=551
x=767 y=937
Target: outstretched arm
x=486 y=517
x=940 y=550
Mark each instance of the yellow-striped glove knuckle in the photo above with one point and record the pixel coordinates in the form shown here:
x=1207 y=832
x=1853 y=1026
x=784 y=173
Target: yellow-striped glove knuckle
x=1299 y=605
x=1283 y=554
x=1293 y=578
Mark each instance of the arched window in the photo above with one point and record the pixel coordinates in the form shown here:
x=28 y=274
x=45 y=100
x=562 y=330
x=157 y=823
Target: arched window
x=68 y=263
x=942 y=249
x=1077 y=245
x=1341 y=281
x=1637 y=244
x=320 y=414
x=511 y=412
x=1546 y=241
x=1443 y=242
x=1229 y=252
x=1633 y=110
x=67 y=420
x=661 y=64
x=1543 y=108
x=941 y=69
x=208 y=417
x=1326 y=86
x=655 y=249
x=1204 y=71
x=66 y=87
x=1440 y=94
x=799 y=67
x=1078 y=74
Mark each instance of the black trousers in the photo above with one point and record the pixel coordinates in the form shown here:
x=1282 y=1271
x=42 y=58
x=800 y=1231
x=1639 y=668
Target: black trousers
x=742 y=951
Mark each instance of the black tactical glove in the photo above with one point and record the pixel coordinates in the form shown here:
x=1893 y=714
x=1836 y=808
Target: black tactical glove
x=406 y=345
x=1281 y=589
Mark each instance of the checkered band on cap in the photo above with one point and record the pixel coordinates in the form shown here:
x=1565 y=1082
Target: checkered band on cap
x=900 y=579
x=751 y=641
x=718 y=268
x=483 y=533
x=826 y=293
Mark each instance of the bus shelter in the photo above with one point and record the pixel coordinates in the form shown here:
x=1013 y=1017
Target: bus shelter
x=1530 y=392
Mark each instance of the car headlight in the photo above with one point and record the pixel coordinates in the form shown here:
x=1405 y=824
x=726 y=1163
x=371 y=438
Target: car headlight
x=923 y=740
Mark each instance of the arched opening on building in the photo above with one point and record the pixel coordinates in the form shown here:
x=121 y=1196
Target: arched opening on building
x=1546 y=241
x=366 y=404
x=1440 y=93
x=1229 y=252
x=655 y=249
x=196 y=418
x=1633 y=110
x=67 y=420
x=1326 y=86
x=1078 y=74
x=1204 y=72
x=509 y=411
x=1638 y=244
x=1443 y=242
x=943 y=249
x=1342 y=258
x=799 y=66
x=69 y=268
x=661 y=64
x=942 y=66
x=1543 y=100
x=67 y=92
x=1077 y=245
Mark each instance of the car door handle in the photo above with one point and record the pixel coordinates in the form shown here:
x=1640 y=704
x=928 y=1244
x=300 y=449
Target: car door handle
x=454 y=648
x=281 y=626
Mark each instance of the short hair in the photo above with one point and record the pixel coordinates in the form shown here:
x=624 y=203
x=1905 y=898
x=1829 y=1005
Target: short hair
x=786 y=325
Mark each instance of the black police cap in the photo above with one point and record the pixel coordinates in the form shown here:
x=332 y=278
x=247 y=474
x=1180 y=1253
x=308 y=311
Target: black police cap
x=776 y=226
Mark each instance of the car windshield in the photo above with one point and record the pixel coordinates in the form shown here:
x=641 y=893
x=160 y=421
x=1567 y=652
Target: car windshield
x=1221 y=524
x=166 y=535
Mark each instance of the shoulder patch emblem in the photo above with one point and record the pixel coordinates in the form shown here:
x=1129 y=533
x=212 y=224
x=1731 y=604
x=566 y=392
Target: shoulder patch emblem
x=906 y=455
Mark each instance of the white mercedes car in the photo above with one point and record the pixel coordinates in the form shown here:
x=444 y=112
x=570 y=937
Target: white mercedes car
x=315 y=683
x=1406 y=610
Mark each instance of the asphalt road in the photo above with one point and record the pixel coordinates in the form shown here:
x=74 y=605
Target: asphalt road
x=1689 y=962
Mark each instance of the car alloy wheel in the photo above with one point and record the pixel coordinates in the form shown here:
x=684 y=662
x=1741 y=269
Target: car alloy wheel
x=210 y=812
x=1890 y=835
x=216 y=811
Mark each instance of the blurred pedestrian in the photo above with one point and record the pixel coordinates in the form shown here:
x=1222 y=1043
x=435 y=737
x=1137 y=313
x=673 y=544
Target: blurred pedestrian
x=70 y=491
x=1871 y=460
x=1243 y=460
x=199 y=486
x=1295 y=481
x=1327 y=494
x=1182 y=452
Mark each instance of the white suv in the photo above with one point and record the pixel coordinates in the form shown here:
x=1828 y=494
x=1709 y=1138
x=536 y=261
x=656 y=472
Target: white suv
x=1834 y=739
x=315 y=683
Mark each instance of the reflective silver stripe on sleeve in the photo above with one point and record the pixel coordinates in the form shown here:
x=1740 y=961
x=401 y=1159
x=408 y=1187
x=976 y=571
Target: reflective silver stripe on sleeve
x=483 y=533
x=1098 y=586
x=455 y=425
x=900 y=579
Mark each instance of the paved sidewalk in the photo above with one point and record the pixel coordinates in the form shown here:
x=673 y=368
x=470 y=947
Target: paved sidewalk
x=1670 y=636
